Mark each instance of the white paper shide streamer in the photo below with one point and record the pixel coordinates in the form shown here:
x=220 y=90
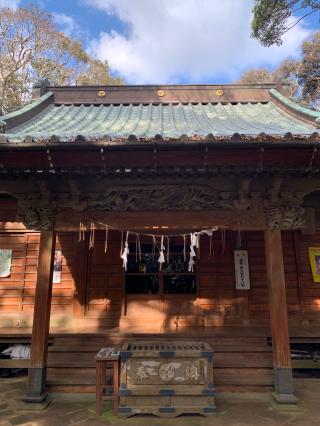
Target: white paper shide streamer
x=161 y=259
x=164 y=256
x=194 y=244
x=124 y=255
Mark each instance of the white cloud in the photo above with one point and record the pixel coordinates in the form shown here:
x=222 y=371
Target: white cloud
x=12 y=4
x=65 y=23
x=192 y=39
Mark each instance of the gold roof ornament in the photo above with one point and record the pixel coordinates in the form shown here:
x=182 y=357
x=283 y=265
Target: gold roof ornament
x=219 y=92
x=160 y=93
x=101 y=93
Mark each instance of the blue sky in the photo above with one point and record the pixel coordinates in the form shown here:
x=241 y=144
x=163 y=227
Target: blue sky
x=172 y=41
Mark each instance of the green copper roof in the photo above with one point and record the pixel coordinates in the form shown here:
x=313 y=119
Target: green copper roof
x=168 y=120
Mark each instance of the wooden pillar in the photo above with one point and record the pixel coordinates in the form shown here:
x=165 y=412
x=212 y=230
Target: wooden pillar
x=41 y=318
x=282 y=370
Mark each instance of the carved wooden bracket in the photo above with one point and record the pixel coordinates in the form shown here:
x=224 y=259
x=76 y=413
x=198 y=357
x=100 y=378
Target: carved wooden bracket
x=285 y=217
x=40 y=218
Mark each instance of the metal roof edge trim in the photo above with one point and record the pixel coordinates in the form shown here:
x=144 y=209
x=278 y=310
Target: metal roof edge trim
x=223 y=144
x=125 y=87
x=26 y=108
x=298 y=108
x=17 y=117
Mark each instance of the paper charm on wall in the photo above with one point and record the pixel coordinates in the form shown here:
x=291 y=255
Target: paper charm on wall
x=314 y=256
x=57 y=267
x=5 y=262
x=241 y=265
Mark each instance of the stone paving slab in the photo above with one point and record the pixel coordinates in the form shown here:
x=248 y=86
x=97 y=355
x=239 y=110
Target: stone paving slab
x=233 y=410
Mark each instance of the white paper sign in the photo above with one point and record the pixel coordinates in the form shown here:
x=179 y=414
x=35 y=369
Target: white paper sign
x=57 y=267
x=5 y=262
x=241 y=265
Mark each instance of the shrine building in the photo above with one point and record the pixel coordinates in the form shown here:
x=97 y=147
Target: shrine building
x=103 y=190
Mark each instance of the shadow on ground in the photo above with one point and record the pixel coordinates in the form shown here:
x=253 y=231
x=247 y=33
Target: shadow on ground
x=233 y=410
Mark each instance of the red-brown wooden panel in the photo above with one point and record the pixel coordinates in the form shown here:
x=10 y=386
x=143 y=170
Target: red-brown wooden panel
x=181 y=158
x=74 y=158
x=137 y=158
x=18 y=290
x=31 y=159
x=285 y=156
x=232 y=157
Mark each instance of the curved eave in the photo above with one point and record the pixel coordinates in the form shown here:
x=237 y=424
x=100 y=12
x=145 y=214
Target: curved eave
x=293 y=108
x=14 y=119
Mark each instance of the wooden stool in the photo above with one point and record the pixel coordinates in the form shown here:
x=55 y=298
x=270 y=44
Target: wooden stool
x=107 y=357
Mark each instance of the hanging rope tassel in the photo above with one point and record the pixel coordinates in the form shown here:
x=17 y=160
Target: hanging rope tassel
x=154 y=243
x=81 y=231
x=168 y=249
x=184 y=249
x=211 y=251
x=91 y=238
x=124 y=255
x=106 y=240
x=121 y=244
x=223 y=239
x=139 y=247
x=136 y=248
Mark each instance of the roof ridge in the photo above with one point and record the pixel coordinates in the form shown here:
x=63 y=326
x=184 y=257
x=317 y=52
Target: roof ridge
x=169 y=86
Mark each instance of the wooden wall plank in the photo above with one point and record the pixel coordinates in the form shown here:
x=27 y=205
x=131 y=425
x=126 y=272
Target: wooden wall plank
x=103 y=280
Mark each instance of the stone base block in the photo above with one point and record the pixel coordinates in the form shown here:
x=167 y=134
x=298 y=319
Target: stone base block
x=35 y=398
x=35 y=406
x=36 y=391
x=284 y=398
x=283 y=385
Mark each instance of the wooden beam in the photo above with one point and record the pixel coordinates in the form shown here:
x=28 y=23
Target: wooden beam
x=41 y=318
x=282 y=370
x=152 y=221
x=14 y=363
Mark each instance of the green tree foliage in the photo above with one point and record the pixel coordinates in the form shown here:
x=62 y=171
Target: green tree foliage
x=273 y=18
x=303 y=74
x=31 y=47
